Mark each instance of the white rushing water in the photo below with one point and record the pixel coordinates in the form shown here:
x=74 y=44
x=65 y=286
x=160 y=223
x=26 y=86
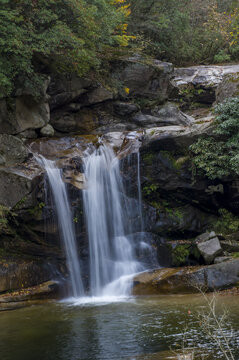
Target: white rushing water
x=112 y=257
x=65 y=223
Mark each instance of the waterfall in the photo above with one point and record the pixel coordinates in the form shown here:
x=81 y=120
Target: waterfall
x=112 y=255
x=65 y=223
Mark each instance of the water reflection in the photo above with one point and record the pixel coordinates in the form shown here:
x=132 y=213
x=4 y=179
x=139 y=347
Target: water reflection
x=104 y=332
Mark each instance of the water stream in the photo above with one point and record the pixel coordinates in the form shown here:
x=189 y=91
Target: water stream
x=114 y=246
x=112 y=255
x=65 y=223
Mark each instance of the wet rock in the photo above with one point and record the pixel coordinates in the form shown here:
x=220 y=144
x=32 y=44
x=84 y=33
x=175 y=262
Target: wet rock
x=47 y=130
x=47 y=290
x=147 y=80
x=12 y=150
x=20 y=274
x=19 y=185
x=76 y=179
x=229 y=87
x=186 y=219
x=209 y=249
x=187 y=279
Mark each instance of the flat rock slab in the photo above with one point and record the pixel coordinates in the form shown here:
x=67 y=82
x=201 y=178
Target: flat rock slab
x=187 y=279
x=207 y=76
x=47 y=290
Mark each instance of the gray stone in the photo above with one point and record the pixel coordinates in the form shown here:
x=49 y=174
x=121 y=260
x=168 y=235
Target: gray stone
x=64 y=90
x=175 y=137
x=166 y=115
x=25 y=113
x=205 y=236
x=230 y=246
x=18 y=186
x=124 y=108
x=27 y=134
x=12 y=150
x=210 y=249
x=145 y=79
x=98 y=95
x=221 y=259
x=47 y=130
x=229 y=87
x=187 y=279
x=199 y=83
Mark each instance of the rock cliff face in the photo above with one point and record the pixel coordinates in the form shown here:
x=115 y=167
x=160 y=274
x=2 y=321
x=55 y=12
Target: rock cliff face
x=165 y=110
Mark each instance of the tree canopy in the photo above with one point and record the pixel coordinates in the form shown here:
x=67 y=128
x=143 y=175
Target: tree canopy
x=40 y=36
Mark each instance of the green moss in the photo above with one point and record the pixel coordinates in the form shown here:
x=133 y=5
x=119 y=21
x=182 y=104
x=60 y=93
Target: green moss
x=175 y=161
x=150 y=189
x=227 y=222
x=148 y=158
x=37 y=210
x=180 y=254
x=236 y=255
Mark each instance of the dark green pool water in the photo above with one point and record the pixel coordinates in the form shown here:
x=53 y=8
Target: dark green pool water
x=119 y=330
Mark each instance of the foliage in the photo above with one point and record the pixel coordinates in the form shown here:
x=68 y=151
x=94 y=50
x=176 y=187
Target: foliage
x=44 y=36
x=180 y=254
x=183 y=31
x=217 y=157
x=227 y=222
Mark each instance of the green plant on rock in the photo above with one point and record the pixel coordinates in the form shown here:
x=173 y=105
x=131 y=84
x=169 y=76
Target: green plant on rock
x=148 y=190
x=227 y=222
x=180 y=254
x=217 y=156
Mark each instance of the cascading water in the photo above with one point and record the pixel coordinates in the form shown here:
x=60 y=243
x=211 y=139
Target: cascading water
x=65 y=222
x=112 y=257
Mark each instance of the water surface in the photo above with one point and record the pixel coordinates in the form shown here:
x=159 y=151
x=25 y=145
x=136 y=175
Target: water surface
x=107 y=330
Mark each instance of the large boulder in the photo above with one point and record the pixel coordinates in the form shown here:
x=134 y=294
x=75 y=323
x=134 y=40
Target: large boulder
x=19 y=187
x=187 y=279
x=209 y=247
x=175 y=137
x=229 y=87
x=145 y=79
x=24 y=112
x=12 y=150
x=20 y=274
